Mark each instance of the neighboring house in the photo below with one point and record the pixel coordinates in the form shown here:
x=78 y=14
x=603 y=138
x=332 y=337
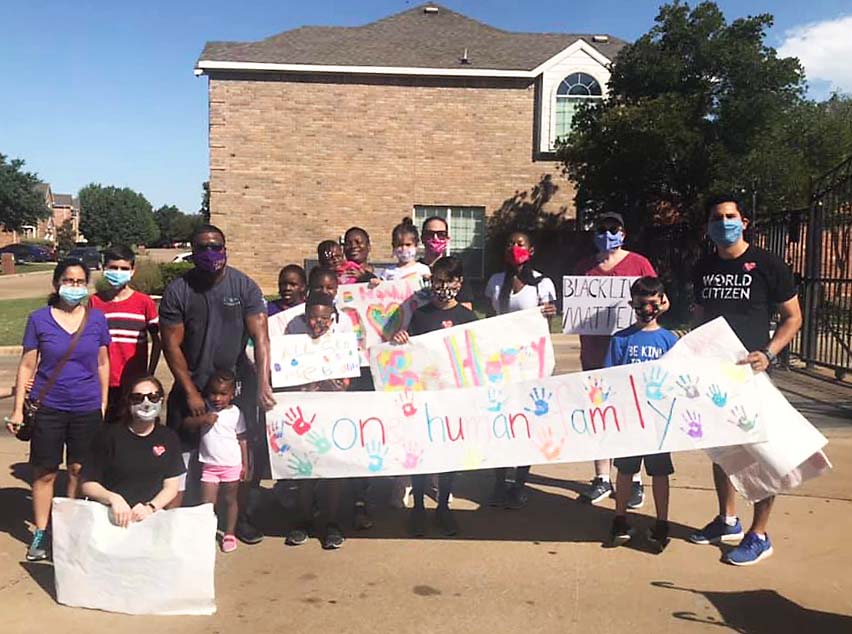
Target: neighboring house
x=423 y=112
x=64 y=208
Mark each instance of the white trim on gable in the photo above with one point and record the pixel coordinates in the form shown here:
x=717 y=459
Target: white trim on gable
x=207 y=65
x=579 y=45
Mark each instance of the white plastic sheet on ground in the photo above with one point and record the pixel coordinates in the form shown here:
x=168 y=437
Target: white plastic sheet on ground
x=792 y=452
x=162 y=565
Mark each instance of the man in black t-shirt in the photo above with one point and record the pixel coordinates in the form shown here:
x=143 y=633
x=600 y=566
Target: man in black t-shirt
x=745 y=285
x=206 y=317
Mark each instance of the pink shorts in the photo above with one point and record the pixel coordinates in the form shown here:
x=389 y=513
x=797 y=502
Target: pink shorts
x=217 y=473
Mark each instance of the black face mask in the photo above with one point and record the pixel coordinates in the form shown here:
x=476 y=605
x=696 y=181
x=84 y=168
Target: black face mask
x=647 y=312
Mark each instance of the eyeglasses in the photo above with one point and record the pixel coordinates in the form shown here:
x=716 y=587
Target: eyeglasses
x=210 y=246
x=79 y=283
x=608 y=228
x=136 y=398
x=428 y=233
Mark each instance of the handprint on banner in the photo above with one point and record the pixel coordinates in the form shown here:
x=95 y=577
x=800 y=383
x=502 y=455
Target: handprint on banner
x=742 y=420
x=655 y=384
x=693 y=427
x=406 y=402
x=719 y=398
x=296 y=420
x=547 y=445
x=689 y=386
x=412 y=457
x=376 y=454
x=597 y=390
x=319 y=442
x=541 y=401
x=473 y=458
x=301 y=466
x=275 y=433
x=495 y=399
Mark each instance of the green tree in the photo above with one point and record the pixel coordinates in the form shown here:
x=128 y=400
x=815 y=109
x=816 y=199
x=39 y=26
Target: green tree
x=65 y=238
x=186 y=224
x=109 y=215
x=20 y=203
x=204 y=212
x=693 y=107
x=167 y=218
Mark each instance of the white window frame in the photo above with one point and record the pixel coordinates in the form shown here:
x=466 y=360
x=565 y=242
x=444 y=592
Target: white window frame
x=421 y=212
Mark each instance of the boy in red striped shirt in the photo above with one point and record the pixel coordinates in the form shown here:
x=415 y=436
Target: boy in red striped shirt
x=131 y=316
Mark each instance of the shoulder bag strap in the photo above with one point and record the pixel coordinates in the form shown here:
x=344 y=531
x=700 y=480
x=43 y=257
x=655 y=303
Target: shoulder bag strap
x=58 y=369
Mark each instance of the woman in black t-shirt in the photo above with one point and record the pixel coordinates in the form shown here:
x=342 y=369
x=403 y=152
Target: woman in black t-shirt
x=136 y=465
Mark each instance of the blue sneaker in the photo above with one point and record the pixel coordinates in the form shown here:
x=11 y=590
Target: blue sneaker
x=717 y=531
x=38 y=546
x=750 y=551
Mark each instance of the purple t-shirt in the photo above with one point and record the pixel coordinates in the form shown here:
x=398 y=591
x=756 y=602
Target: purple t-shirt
x=78 y=388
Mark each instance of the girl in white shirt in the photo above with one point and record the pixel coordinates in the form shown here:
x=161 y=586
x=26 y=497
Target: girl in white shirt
x=518 y=287
x=405 y=240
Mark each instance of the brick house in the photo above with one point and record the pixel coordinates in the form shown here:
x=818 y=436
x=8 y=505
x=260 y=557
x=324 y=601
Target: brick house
x=423 y=112
x=63 y=208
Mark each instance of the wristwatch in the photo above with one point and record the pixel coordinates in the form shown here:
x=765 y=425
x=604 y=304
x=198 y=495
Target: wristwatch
x=769 y=355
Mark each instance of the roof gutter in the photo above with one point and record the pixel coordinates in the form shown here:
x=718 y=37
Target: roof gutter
x=203 y=66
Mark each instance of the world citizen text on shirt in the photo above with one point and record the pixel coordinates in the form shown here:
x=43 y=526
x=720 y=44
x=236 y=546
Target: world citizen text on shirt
x=726 y=286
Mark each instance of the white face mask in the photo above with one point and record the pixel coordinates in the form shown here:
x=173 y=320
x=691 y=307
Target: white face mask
x=404 y=255
x=146 y=411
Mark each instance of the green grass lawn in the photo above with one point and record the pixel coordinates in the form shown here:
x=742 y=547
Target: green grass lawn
x=13 y=318
x=34 y=267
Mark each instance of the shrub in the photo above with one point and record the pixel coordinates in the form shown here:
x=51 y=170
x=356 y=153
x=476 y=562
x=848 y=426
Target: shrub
x=173 y=270
x=148 y=279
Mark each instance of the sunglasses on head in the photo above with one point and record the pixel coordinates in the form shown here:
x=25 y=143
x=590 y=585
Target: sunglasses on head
x=435 y=234
x=211 y=246
x=136 y=398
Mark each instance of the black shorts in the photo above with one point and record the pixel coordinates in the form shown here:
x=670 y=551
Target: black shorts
x=114 y=405
x=55 y=430
x=658 y=464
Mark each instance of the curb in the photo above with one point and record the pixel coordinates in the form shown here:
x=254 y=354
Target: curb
x=11 y=351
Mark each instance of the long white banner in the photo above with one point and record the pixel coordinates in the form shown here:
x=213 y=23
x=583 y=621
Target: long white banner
x=678 y=405
x=505 y=349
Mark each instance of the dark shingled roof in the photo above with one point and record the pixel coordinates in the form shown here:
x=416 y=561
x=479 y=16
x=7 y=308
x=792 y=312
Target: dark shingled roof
x=63 y=200
x=413 y=38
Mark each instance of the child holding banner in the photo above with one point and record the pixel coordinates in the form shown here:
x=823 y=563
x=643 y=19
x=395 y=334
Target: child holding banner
x=645 y=340
x=405 y=241
x=223 y=450
x=444 y=311
x=319 y=319
x=292 y=286
x=356 y=248
x=518 y=287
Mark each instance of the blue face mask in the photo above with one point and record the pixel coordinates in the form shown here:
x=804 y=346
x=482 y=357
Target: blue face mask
x=607 y=241
x=117 y=279
x=73 y=294
x=725 y=232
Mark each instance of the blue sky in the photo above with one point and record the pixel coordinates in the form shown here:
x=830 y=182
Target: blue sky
x=103 y=91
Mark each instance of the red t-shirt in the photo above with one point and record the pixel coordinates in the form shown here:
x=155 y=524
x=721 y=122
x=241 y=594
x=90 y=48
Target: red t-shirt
x=129 y=322
x=593 y=347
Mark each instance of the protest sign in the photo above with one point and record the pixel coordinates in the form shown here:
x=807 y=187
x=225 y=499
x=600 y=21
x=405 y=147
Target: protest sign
x=299 y=359
x=161 y=565
x=629 y=410
x=596 y=305
x=496 y=351
x=378 y=312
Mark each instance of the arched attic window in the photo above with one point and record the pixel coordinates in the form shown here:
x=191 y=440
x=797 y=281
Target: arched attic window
x=575 y=89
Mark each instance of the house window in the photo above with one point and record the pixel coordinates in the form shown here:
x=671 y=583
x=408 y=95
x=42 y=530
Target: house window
x=575 y=89
x=467 y=230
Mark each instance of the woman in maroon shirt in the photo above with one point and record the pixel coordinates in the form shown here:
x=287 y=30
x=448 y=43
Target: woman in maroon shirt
x=610 y=260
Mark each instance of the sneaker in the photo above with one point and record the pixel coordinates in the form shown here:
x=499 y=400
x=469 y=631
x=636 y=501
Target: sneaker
x=621 y=531
x=599 y=490
x=637 y=496
x=446 y=522
x=659 y=535
x=717 y=531
x=333 y=537
x=750 y=551
x=247 y=533
x=296 y=537
x=38 y=546
x=417 y=521
x=517 y=498
x=499 y=496
x=229 y=543
x=361 y=519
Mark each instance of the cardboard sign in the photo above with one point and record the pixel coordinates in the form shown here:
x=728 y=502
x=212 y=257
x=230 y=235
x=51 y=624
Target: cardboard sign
x=493 y=352
x=299 y=359
x=646 y=408
x=596 y=305
x=378 y=313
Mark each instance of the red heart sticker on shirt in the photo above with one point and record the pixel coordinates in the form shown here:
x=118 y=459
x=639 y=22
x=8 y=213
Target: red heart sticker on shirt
x=749 y=266
x=447 y=323
x=158 y=450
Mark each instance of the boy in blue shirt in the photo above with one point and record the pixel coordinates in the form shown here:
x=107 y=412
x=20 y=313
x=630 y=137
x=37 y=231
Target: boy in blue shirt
x=645 y=340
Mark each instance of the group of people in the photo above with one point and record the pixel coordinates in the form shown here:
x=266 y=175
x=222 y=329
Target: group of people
x=86 y=380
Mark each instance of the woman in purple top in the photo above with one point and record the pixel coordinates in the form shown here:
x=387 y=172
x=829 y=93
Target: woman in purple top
x=71 y=410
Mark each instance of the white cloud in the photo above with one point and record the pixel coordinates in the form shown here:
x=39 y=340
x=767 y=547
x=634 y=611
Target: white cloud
x=825 y=50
